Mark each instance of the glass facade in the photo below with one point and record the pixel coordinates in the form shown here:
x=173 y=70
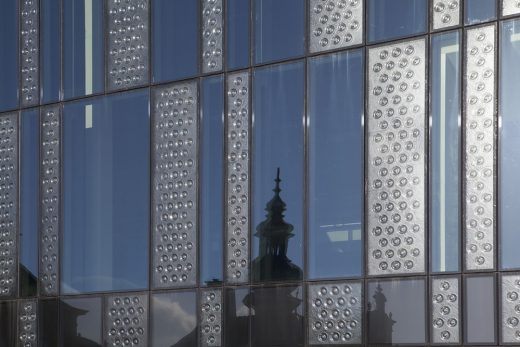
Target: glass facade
x=259 y=173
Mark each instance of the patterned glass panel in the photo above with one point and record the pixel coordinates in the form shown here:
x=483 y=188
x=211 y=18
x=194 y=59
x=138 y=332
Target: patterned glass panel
x=127 y=61
x=174 y=122
x=27 y=323
x=8 y=204
x=211 y=318
x=510 y=308
x=396 y=158
x=479 y=130
x=126 y=320
x=238 y=119
x=446 y=13
x=445 y=310
x=510 y=7
x=212 y=35
x=29 y=62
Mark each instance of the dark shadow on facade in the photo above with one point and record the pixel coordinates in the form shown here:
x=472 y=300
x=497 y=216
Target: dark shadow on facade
x=380 y=323
x=272 y=263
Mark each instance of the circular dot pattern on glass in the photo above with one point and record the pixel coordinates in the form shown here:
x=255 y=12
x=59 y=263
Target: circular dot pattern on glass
x=511 y=308
x=480 y=147
x=174 y=184
x=446 y=13
x=510 y=7
x=238 y=177
x=29 y=23
x=50 y=192
x=445 y=310
x=126 y=320
x=212 y=33
x=211 y=318
x=8 y=203
x=335 y=313
x=335 y=24
x=127 y=64
x=396 y=150
x=27 y=313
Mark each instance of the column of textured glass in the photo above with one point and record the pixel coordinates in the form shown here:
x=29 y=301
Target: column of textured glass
x=335 y=313
x=126 y=320
x=396 y=158
x=211 y=317
x=50 y=161
x=446 y=322
x=238 y=135
x=510 y=308
x=335 y=24
x=28 y=323
x=212 y=35
x=510 y=7
x=29 y=49
x=127 y=35
x=8 y=204
x=446 y=13
x=479 y=127
x=174 y=198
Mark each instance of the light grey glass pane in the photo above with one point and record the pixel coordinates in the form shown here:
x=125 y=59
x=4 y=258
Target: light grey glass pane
x=446 y=13
x=175 y=37
x=50 y=55
x=510 y=7
x=126 y=320
x=391 y=316
x=238 y=30
x=83 y=48
x=279 y=29
x=80 y=322
x=396 y=18
x=106 y=193
x=509 y=143
x=174 y=319
x=478 y=11
x=445 y=152
x=336 y=165
x=29 y=201
x=9 y=55
x=212 y=180
x=479 y=313
x=278 y=142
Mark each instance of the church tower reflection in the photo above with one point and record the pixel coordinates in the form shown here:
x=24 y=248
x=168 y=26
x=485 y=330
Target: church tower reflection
x=380 y=323
x=272 y=263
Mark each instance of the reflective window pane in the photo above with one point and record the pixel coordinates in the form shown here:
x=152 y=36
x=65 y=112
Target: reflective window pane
x=9 y=55
x=478 y=11
x=396 y=312
x=83 y=48
x=279 y=29
x=8 y=320
x=278 y=316
x=236 y=317
x=106 y=148
x=238 y=15
x=80 y=322
x=479 y=314
x=174 y=319
x=175 y=39
x=396 y=18
x=445 y=152
x=29 y=202
x=278 y=172
x=336 y=165
x=212 y=179
x=509 y=160
x=48 y=323
x=50 y=50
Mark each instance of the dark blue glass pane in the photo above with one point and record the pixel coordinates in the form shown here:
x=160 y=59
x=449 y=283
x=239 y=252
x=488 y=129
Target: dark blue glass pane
x=236 y=317
x=83 y=48
x=278 y=106
x=212 y=179
x=509 y=160
x=279 y=29
x=336 y=165
x=48 y=323
x=8 y=320
x=175 y=39
x=445 y=152
x=80 y=322
x=29 y=201
x=50 y=50
x=238 y=15
x=106 y=158
x=396 y=18
x=174 y=319
x=9 y=55
x=478 y=11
